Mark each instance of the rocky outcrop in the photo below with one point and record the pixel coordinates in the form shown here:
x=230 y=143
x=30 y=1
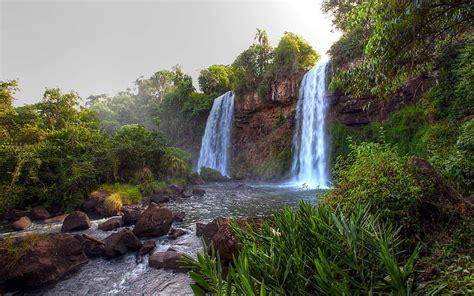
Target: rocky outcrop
x=76 y=221
x=120 y=243
x=263 y=131
x=111 y=224
x=352 y=111
x=155 y=221
x=166 y=260
x=199 y=192
x=45 y=261
x=21 y=224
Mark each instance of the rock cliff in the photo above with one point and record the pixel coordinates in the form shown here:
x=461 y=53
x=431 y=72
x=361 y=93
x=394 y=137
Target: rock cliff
x=263 y=131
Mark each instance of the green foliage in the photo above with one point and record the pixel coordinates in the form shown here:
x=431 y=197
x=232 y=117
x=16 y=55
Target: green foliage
x=310 y=251
x=293 y=55
x=129 y=194
x=376 y=175
x=399 y=40
x=215 y=80
x=258 y=66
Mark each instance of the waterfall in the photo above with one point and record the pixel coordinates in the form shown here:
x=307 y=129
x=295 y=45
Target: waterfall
x=215 y=145
x=310 y=149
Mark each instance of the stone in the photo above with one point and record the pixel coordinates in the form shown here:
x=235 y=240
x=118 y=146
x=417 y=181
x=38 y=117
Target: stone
x=176 y=189
x=57 y=219
x=120 y=243
x=199 y=228
x=92 y=248
x=111 y=224
x=89 y=205
x=166 y=260
x=21 y=224
x=131 y=215
x=195 y=179
x=154 y=222
x=179 y=216
x=76 y=221
x=46 y=261
x=159 y=198
x=199 y=192
x=39 y=213
x=176 y=232
x=147 y=247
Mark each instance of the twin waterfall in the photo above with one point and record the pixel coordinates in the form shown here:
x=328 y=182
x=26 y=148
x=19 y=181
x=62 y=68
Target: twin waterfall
x=215 y=145
x=310 y=149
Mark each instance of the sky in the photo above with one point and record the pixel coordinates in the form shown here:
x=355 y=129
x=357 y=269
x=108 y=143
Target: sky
x=103 y=46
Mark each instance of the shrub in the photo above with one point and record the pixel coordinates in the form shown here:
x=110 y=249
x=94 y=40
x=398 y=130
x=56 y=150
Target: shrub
x=129 y=194
x=310 y=251
x=113 y=203
x=375 y=175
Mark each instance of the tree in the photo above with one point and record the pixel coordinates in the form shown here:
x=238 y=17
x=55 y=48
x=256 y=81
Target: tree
x=399 y=39
x=215 y=80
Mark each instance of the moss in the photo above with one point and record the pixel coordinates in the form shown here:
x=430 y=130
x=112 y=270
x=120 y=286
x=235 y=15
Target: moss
x=209 y=174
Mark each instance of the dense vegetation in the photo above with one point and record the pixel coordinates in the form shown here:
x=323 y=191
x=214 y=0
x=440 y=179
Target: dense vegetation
x=54 y=153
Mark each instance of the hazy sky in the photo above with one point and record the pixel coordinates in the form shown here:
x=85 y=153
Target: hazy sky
x=102 y=46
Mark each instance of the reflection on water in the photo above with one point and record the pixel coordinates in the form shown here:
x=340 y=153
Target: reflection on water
x=130 y=275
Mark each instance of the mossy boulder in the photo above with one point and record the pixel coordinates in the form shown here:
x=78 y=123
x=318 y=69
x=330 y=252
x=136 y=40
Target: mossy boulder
x=208 y=174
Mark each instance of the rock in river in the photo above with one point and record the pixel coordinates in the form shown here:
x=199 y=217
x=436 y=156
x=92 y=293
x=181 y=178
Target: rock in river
x=76 y=221
x=120 y=243
x=155 y=221
x=111 y=224
x=21 y=224
x=167 y=260
x=45 y=261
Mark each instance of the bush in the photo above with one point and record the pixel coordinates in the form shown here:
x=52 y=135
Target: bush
x=129 y=194
x=310 y=251
x=375 y=175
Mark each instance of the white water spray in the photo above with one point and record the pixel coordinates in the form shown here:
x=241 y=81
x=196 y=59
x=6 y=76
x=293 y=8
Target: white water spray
x=215 y=145
x=309 y=142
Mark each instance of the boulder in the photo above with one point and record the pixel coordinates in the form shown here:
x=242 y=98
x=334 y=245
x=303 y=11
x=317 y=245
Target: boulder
x=76 y=221
x=176 y=189
x=21 y=224
x=220 y=235
x=92 y=247
x=167 y=260
x=199 y=228
x=195 y=179
x=155 y=221
x=199 y=192
x=159 y=198
x=147 y=247
x=39 y=213
x=111 y=224
x=57 y=219
x=120 y=243
x=45 y=261
x=176 y=232
x=89 y=205
x=208 y=174
x=179 y=216
x=131 y=215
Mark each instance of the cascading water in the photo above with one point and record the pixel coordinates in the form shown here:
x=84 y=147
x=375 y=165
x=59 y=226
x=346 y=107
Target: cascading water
x=215 y=146
x=309 y=142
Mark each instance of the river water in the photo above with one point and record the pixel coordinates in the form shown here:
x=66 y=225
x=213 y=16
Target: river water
x=130 y=275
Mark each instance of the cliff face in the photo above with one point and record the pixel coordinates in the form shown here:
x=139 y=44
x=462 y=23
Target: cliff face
x=263 y=131
x=356 y=112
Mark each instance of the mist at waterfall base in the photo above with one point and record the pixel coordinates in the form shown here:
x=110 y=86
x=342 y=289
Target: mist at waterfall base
x=215 y=145
x=310 y=150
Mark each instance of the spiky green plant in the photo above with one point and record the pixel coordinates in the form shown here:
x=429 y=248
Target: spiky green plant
x=311 y=250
